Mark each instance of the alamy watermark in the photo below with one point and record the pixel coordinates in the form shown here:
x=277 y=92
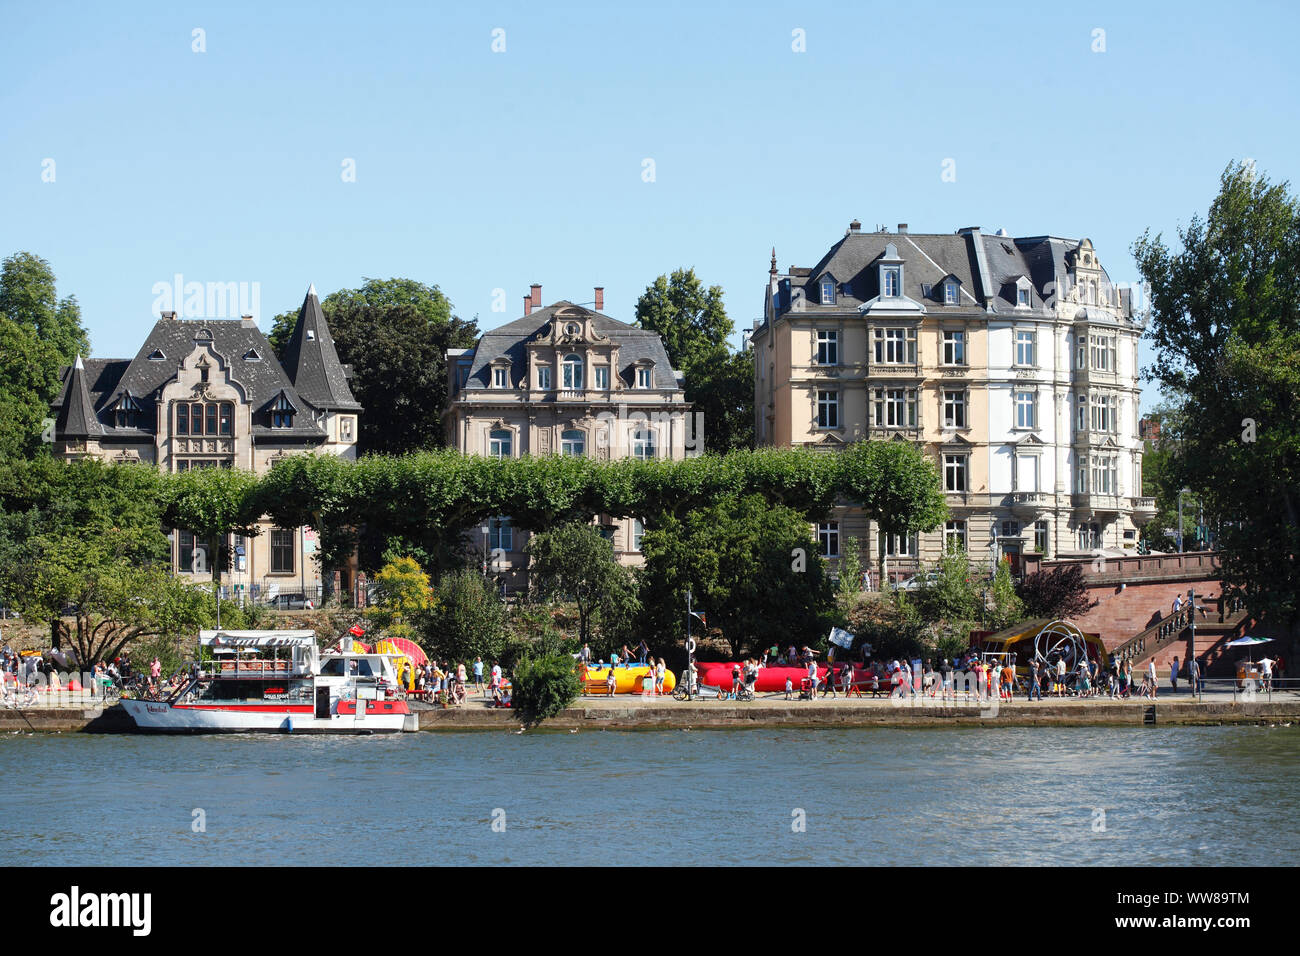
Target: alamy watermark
x=206 y=300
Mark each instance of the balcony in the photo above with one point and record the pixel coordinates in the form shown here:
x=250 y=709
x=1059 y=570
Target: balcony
x=1097 y=504
x=571 y=395
x=1030 y=502
x=1144 y=509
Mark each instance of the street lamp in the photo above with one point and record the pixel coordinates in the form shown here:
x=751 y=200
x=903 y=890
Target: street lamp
x=485 y=549
x=1181 y=492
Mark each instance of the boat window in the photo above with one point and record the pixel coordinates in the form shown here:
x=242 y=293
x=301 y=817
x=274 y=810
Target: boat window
x=332 y=668
x=363 y=668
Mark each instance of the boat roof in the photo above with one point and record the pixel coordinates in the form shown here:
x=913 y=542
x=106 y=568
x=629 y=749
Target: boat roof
x=257 y=638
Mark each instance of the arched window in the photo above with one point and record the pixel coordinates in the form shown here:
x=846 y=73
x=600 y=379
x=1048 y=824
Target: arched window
x=573 y=443
x=573 y=371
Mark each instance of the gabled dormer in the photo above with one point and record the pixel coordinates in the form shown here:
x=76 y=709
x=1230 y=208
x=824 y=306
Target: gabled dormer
x=1021 y=292
x=826 y=289
x=126 y=411
x=948 y=291
x=281 y=410
x=890 y=273
x=890 y=276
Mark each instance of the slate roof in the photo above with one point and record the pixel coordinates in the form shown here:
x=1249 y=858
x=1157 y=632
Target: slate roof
x=313 y=362
x=930 y=257
x=509 y=340
x=76 y=417
x=107 y=380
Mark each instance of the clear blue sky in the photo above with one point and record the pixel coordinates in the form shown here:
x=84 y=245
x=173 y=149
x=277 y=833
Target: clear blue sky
x=478 y=170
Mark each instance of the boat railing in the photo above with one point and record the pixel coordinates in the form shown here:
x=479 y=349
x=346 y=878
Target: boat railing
x=255 y=668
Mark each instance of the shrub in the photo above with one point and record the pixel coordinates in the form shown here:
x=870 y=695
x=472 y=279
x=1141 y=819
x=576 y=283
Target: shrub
x=544 y=686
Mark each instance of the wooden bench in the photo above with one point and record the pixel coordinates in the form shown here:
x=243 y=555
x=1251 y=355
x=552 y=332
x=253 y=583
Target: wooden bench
x=597 y=688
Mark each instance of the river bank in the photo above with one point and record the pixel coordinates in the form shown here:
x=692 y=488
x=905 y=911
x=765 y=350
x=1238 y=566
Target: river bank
x=637 y=713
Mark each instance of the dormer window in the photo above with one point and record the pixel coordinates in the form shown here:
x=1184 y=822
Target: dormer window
x=252 y=355
x=828 y=292
x=1022 y=298
x=311 y=335
x=951 y=292
x=282 y=412
x=500 y=377
x=203 y=370
x=156 y=355
x=891 y=283
x=643 y=377
x=127 y=412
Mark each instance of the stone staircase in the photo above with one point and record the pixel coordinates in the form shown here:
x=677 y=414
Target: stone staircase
x=1178 y=627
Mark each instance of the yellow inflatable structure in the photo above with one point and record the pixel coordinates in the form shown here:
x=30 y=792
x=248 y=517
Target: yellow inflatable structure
x=628 y=679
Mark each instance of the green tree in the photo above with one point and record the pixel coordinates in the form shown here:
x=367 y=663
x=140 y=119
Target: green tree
x=575 y=562
x=693 y=324
x=39 y=334
x=952 y=597
x=87 y=537
x=850 y=583
x=751 y=566
x=404 y=595
x=467 y=621
x=1007 y=606
x=213 y=503
x=395 y=334
x=1225 y=325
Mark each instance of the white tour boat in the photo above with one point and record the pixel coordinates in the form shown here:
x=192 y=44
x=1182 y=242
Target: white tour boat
x=279 y=682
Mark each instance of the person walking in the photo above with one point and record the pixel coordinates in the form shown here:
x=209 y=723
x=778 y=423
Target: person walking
x=1194 y=674
x=1152 y=676
x=1034 y=687
x=1173 y=674
x=478 y=675
x=812 y=679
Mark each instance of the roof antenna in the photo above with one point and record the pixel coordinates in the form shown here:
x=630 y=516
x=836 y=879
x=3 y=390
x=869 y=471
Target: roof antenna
x=772 y=271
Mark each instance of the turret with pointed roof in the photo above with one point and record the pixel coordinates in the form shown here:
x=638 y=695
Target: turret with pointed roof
x=313 y=363
x=77 y=418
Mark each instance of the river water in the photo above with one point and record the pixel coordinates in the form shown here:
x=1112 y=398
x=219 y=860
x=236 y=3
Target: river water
x=1146 y=796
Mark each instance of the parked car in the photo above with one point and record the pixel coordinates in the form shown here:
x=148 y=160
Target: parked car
x=918 y=581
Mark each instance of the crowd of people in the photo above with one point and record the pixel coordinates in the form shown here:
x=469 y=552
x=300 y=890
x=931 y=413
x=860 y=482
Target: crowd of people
x=434 y=679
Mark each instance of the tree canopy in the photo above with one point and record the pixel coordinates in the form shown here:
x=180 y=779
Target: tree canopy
x=39 y=334
x=395 y=334
x=1225 y=323
x=694 y=326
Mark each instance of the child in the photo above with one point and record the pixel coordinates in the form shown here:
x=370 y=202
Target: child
x=789 y=687
x=611 y=682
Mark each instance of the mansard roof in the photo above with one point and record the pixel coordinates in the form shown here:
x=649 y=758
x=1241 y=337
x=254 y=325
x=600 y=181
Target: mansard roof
x=313 y=362
x=635 y=345
x=985 y=264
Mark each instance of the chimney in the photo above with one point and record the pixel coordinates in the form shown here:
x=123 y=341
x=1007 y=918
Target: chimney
x=902 y=228
x=169 y=315
x=537 y=295
x=855 y=226
x=247 y=321
x=528 y=305
x=600 y=297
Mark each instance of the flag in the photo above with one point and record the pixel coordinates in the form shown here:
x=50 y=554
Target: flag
x=356 y=630
x=841 y=637
x=700 y=615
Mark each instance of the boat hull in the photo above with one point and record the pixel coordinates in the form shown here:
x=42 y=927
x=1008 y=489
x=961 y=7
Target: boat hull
x=379 y=717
